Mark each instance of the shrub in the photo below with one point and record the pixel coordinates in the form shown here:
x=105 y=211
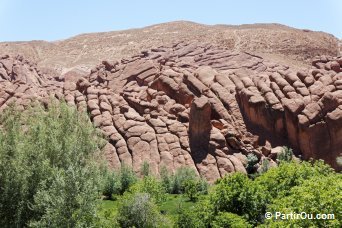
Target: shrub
x=252 y=160
x=127 y=178
x=181 y=177
x=285 y=155
x=176 y=184
x=320 y=194
x=166 y=179
x=47 y=171
x=265 y=166
x=226 y=219
x=312 y=187
x=151 y=186
x=139 y=210
x=279 y=181
x=200 y=215
x=188 y=218
x=237 y=194
x=145 y=169
x=111 y=183
x=193 y=188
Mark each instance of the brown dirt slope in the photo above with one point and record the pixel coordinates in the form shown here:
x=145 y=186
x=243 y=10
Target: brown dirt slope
x=281 y=43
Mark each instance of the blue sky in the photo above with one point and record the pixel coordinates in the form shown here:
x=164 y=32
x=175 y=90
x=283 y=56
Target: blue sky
x=60 y=19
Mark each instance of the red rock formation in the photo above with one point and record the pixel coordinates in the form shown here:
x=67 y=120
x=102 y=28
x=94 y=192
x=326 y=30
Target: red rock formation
x=303 y=107
x=199 y=125
x=195 y=105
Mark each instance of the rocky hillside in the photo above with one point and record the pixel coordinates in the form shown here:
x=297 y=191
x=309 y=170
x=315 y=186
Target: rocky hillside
x=195 y=104
x=284 y=44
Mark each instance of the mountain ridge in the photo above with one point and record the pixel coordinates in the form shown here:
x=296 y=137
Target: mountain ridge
x=81 y=52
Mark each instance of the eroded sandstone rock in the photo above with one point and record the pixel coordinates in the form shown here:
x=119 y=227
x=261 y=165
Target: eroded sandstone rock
x=195 y=105
x=199 y=124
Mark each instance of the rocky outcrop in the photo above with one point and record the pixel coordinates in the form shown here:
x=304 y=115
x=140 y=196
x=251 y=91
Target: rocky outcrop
x=196 y=105
x=303 y=108
x=199 y=124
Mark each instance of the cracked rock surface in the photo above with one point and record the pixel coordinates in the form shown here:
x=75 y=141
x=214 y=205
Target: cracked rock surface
x=195 y=104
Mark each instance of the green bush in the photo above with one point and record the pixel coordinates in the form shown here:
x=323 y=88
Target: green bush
x=145 y=169
x=194 y=188
x=229 y=220
x=237 y=194
x=127 y=178
x=182 y=175
x=111 y=183
x=265 y=166
x=47 y=171
x=310 y=187
x=175 y=184
x=151 y=186
x=117 y=182
x=200 y=215
x=139 y=210
x=166 y=179
x=320 y=194
x=189 y=219
x=285 y=155
x=252 y=160
x=279 y=181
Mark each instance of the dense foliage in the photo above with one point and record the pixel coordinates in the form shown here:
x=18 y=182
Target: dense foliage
x=238 y=194
x=48 y=176
x=117 y=182
x=139 y=210
x=151 y=186
x=319 y=195
x=226 y=219
x=184 y=179
x=310 y=187
x=51 y=175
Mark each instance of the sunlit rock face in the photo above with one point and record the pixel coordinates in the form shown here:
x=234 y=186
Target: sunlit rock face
x=195 y=104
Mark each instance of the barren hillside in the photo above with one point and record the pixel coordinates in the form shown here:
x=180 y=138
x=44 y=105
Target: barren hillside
x=281 y=43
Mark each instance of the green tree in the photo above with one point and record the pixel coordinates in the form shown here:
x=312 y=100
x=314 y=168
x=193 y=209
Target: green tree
x=181 y=177
x=194 y=188
x=229 y=220
x=188 y=219
x=320 y=194
x=111 y=183
x=151 y=186
x=279 y=181
x=139 y=210
x=127 y=178
x=47 y=169
x=198 y=216
x=166 y=179
x=237 y=194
